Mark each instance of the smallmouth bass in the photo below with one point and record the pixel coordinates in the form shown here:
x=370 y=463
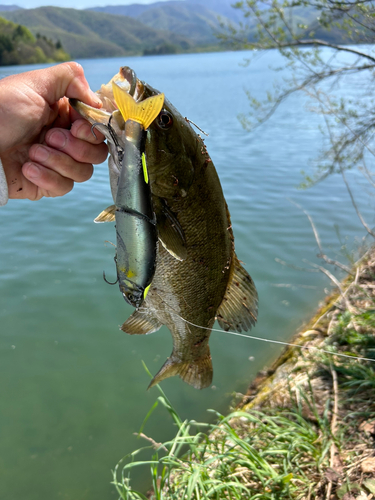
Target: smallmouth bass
x=198 y=277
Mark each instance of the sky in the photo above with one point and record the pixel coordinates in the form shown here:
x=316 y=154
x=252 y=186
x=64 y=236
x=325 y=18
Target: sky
x=76 y=4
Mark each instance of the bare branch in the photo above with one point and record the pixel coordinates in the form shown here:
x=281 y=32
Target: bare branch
x=364 y=224
x=315 y=41
x=321 y=255
x=338 y=284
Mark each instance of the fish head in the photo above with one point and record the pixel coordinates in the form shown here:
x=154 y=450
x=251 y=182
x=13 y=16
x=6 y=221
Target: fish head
x=171 y=146
x=171 y=141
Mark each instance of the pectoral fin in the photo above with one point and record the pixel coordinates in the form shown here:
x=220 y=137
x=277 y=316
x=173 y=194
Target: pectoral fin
x=197 y=373
x=108 y=215
x=170 y=232
x=239 y=307
x=140 y=323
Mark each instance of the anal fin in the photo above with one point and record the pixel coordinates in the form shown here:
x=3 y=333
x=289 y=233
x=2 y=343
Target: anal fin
x=239 y=308
x=108 y=215
x=140 y=323
x=197 y=373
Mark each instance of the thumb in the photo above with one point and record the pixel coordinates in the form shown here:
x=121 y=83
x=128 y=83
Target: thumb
x=67 y=79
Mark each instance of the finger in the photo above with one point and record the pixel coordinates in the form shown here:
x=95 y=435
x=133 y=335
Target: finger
x=62 y=119
x=48 y=182
x=61 y=163
x=68 y=80
x=82 y=129
x=80 y=150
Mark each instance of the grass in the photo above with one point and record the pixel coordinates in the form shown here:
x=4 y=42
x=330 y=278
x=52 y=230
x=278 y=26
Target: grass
x=244 y=456
x=307 y=432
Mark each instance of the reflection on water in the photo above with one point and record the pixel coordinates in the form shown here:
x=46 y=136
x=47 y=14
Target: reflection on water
x=73 y=389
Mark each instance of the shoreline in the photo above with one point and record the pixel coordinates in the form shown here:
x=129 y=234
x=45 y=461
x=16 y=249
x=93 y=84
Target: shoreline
x=306 y=427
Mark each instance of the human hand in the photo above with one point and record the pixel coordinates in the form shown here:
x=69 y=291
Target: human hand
x=45 y=146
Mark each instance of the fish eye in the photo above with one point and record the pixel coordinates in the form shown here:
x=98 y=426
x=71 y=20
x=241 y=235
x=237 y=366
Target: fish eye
x=165 y=119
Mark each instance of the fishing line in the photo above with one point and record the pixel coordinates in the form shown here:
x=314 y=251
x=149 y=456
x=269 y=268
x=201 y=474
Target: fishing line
x=271 y=341
x=195 y=125
x=280 y=342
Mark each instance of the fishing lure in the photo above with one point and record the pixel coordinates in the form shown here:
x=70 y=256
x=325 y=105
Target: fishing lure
x=136 y=232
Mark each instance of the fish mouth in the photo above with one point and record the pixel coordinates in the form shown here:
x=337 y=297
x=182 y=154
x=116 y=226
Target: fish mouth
x=127 y=75
x=127 y=80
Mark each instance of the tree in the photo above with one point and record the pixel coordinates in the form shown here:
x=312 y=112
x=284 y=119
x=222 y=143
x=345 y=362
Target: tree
x=313 y=36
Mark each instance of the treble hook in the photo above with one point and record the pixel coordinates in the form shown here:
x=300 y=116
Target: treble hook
x=119 y=149
x=95 y=124
x=109 y=283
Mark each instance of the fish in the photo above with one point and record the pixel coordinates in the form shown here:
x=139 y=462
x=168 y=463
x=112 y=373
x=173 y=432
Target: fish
x=198 y=277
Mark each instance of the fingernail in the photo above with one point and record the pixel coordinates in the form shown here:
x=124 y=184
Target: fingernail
x=96 y=99
x=57 y=139
x=41 y=154
x=32 y=171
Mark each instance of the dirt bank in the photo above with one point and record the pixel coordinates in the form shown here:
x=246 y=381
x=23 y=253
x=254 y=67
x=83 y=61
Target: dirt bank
x=331 y=390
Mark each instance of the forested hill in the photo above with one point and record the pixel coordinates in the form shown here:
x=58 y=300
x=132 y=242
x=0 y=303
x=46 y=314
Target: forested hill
x=190 y=19
x=88 y=34
x=200 y=20
x=19 y=46
x=156 y=28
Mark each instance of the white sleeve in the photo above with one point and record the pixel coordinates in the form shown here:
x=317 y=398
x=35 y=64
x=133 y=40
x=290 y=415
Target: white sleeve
x=3 y=187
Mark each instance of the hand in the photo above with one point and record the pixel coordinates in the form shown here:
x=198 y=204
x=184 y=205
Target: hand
x=45 y=146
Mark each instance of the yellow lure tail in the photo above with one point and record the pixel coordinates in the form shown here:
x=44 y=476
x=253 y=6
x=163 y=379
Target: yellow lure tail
x=143 y=112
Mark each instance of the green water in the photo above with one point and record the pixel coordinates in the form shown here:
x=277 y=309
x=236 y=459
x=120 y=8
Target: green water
x=72 y=388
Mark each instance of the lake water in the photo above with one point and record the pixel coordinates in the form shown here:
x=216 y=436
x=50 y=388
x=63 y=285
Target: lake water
x=73 y=388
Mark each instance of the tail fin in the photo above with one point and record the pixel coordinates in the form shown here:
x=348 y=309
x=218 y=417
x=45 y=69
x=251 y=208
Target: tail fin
x=197 y=373
x=143 y=112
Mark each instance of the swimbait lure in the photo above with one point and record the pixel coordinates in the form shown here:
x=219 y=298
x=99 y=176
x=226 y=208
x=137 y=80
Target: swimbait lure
x=136 y=232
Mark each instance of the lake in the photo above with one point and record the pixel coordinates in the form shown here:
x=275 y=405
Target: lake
x=73 y=388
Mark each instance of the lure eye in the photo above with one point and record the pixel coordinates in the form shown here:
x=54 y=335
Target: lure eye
x=165 y=120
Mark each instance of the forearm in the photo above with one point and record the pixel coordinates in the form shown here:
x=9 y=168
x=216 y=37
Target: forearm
x=3 y=187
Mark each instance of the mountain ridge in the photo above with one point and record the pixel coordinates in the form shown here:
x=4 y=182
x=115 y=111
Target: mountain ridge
x=187 y=18
x=88 y=34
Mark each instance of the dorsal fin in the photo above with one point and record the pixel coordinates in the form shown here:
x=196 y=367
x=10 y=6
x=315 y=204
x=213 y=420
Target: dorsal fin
x=143 y=112
x=239 y=307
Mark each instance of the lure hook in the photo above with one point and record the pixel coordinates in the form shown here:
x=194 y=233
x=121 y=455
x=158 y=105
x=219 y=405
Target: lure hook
x=109 y=283
x=95 y=124
x=120 y=151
